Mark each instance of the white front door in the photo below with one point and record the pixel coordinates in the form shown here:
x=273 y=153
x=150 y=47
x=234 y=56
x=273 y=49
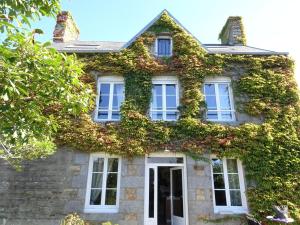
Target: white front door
x=151 y=195
x=177 y=193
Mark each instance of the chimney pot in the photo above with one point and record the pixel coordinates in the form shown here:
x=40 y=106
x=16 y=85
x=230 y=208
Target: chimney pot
x=65 y=29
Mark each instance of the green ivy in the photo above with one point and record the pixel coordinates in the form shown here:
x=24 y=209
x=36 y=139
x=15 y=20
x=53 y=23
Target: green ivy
x=264 y=87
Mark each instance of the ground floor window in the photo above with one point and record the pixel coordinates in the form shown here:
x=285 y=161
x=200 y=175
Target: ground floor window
x=228 y=186
x=103 y=184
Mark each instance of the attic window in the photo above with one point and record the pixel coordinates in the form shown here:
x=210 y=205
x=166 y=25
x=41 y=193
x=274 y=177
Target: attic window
x=163 y=46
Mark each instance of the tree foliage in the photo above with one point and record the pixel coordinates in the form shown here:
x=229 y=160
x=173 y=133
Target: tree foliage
x=38 y=85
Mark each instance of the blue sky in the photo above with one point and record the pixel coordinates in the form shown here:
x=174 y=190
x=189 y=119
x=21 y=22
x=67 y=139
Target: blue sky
x=269 y=24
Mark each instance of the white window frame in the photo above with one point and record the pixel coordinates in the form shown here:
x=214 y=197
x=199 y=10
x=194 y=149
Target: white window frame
x=156 y=46
x=230 y=209
x=164 y=80
x=102 y=208
x=112 y=80
x=216 y=81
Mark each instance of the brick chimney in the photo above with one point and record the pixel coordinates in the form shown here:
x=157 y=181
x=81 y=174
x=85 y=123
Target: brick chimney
x=65 y=28
x=233 y=32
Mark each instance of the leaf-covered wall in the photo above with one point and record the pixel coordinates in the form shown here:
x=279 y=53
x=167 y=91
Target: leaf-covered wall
x=264 y=87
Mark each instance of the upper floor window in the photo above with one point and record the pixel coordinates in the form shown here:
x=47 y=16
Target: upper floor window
x=219 y=100
x=103 y=185
x=165 y=100
x=228 y=186
x=164 y=46
x=110 y=97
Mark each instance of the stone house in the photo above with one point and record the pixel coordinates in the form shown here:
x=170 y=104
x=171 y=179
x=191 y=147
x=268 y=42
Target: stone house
x=160 y=188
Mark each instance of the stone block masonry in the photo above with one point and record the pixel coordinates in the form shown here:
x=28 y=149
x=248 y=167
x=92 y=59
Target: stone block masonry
x=49 y=189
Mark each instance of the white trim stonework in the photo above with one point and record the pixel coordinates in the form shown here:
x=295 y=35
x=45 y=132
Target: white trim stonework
x=228 y=209
x=102 y=208
x=164 y=80
x=112 y=80
x=148 y=165
x=216 y=81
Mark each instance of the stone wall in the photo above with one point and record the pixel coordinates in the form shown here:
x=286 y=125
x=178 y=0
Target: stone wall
x=47 y=190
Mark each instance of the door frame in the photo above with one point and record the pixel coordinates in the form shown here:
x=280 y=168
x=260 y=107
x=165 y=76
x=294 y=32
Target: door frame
x=156 y=165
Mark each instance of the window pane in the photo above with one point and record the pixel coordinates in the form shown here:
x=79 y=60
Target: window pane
x=157 y=89
x=112 y=180
x=219 y=181
x=171 y=115
x=235 y=198
x=97 y=180
x=211 y=102
x=234 y=182
x=217 y=166
x=157 y=115
x=209 y=89
x=171 y=102
x=104 y=89
x=119 y=89
x=164 y=47
x=113 y=165
x=157 y=96
x=226 y=115
x=117 y=101
x=157 y=102
x=111 y=197
x=220 y=198
x=95 y=197
x=232 y=166
x=103 y=102
x=170 y=89
x=98 y=165
x=225 y=102
x=103 y=115
x=118 y=97
x=211 y=115
x=115 y=115
x=223 y=89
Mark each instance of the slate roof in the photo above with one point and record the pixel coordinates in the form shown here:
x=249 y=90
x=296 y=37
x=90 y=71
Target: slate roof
x=111 y=46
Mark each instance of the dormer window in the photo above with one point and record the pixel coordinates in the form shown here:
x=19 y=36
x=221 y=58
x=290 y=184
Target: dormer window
x=164 y=46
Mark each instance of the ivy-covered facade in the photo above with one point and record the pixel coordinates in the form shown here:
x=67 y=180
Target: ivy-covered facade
x=182 y=132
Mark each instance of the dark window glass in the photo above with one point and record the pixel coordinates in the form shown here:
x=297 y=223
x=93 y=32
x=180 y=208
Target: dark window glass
x=164 y=47
x=217 y=166
x=98 y=165
x=235 y=198
x=220 y=197
x=111 y=197
x=177 y=195
x=219 y=181
x=151 y=193
x=97 y=180
x=112 y=180
x=95 y=197
x=113 y=165
x=232 y=166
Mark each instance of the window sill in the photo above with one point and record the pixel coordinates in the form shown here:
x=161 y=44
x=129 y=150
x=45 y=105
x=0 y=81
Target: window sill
x=104 y=121
x=101 y=210
x=229 y=210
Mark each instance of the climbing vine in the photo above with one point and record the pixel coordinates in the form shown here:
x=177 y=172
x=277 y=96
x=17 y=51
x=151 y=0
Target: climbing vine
x=264 y=88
